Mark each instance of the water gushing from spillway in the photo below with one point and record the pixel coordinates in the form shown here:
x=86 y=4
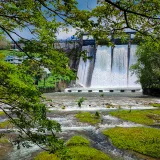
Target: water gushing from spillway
x=86 y=67
x=109 y=67
x=72 y=126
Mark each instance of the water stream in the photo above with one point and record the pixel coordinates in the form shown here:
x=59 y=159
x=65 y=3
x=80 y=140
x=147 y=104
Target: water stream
x=71 y=126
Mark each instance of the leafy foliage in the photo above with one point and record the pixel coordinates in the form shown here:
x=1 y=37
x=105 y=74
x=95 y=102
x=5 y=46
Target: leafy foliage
x=4 y=43
x=114 y=17
x=43 y=19
x=19 y=92
x=80 y=101
x=139 y=139
x=147 y=67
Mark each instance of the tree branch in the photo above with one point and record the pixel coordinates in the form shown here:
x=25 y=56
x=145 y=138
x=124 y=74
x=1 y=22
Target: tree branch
x=43 y=4
x=129 y=11
x=17 y=34
x=14 y=41
x=10 y=117
x=125 y=17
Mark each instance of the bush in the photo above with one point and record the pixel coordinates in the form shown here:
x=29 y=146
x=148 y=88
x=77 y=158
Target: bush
x=142 y=140
x=97 y=114
x=147 y=67
x=80 y=101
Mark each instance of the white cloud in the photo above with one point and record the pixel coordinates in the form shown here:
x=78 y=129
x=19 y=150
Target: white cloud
x=61 y=35
x=65 y=35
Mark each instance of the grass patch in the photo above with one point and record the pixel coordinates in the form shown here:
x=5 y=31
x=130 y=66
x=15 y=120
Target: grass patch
x=86 y=153
x=147 y=117
x=77 y=149
x=88 y=117
x=4 y=140
x=142 y=140
x=2 y=113
x=156 y=104
x=6 y=124
x=49 y=82
x=46 y=156
x=5 y=147
x=78 y=141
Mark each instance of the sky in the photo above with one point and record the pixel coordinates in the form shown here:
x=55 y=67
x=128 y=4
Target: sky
x=82 y=4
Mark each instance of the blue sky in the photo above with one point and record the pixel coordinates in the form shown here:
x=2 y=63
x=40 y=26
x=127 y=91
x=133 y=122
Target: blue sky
x=82 y=4
x=86 y=4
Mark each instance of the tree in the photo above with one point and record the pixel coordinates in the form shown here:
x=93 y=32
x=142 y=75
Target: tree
x=4 y=43
x=43 y=19
x=26 y=109
x=148 y=64
x=115 y=17
x=17 y=90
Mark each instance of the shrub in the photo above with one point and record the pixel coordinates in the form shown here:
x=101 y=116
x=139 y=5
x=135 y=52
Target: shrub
x=97 y=114
x=63 y=107
x=102 y=95
x=80 y=101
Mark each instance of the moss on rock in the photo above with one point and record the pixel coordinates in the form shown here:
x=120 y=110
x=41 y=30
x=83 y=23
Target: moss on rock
x=77 y=149
x=142 y=140
x=88 y=118
x=78 y=141
x=147 y=117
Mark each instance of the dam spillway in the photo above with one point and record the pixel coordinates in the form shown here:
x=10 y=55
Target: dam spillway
x=108 y=68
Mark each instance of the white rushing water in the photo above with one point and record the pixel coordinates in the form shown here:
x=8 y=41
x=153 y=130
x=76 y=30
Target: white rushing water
x=109 y=70
x=133 y=59
x=23 y=153
x=84 y=71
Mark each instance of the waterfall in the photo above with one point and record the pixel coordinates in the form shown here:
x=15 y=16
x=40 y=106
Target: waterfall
x=109 y=69
x=119 y=67
x=133 y=59
x=85 y=68
x=102 y=68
